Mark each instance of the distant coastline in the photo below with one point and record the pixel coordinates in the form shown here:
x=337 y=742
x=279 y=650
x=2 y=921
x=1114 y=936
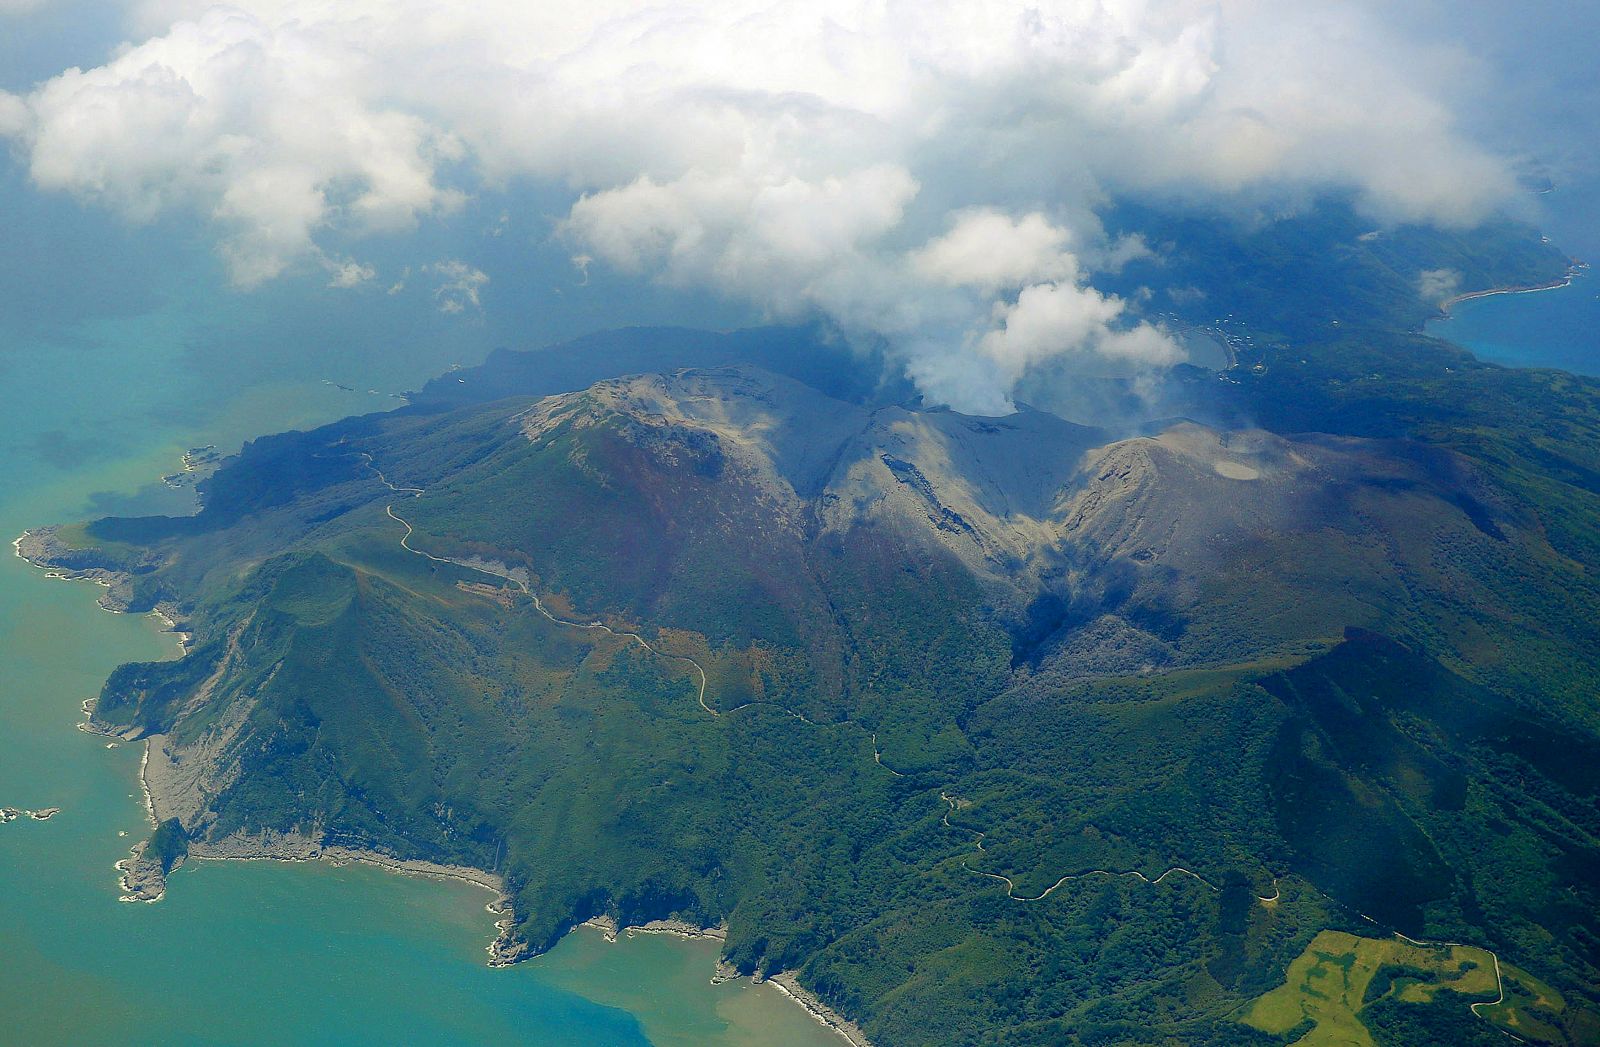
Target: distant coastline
x=1566 y=281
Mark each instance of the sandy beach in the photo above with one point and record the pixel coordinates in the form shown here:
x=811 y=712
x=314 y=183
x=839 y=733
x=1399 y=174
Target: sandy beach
x=1445 y=306
x=789 y=985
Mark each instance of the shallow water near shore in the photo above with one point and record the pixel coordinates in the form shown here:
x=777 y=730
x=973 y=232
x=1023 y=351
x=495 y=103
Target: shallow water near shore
x=264 y=952
x=1555 y=328
x=94 y=411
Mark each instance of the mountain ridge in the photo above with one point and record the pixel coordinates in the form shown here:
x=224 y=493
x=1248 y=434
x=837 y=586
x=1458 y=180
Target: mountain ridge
x=950 y=664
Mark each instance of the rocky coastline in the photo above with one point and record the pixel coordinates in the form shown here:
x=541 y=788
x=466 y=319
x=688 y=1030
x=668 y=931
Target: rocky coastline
x=43 y=548
x=504 y=950
x=608 y=926
x=142 y=876
x=144 y=873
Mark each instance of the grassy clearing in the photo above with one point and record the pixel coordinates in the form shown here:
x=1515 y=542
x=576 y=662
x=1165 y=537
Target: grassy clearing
x=1536 y=1013
x=1339 y=974
x=1182 y=684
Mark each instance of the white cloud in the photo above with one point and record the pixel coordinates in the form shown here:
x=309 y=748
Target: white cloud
x=923 y=170
x=775 y=236
x=349 y=274
x=459 y=288
x=992 y=251
x=14 y=115
x=1436 y=285
x=1058 y=319
x=263 y=123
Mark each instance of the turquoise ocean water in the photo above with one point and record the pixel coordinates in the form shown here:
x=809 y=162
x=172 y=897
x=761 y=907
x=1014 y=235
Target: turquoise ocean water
x=1555 y=328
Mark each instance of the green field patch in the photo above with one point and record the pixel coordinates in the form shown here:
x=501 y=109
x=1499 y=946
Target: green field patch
x=1340 y=973
x=1535 y=1012
x=1182 y=684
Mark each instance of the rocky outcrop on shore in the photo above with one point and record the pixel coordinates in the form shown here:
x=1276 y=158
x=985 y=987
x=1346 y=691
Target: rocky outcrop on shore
x=145 y=870
x=612 y=929
x=43 y=548
x=142 y=877
x=508 y=946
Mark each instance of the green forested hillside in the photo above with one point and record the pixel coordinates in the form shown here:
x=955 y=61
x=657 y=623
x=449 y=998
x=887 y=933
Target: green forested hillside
x=1090 y=751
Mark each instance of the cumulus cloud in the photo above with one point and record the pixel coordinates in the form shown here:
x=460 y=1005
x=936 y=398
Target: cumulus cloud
x=1055 y=319
x=922 y=171
x=990 y=250
x=262 y=124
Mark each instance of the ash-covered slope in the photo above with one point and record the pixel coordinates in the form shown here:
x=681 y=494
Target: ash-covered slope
x=1195 y=545
x=899 y=695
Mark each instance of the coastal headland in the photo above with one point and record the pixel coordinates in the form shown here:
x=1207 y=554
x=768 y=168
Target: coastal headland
x=142 y=876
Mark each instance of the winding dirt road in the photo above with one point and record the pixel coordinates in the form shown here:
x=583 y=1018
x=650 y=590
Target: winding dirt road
x=1499 y=982
x=518 y=578
x=1011 y=888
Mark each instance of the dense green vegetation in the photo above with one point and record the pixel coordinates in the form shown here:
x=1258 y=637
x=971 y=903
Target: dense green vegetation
x=169 y=843
x=1367 y=708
